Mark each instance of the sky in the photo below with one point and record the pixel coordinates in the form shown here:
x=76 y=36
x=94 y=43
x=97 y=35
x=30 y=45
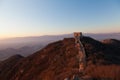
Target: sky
x=20 y=18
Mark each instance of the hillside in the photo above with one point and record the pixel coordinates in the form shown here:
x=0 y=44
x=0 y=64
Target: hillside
x=24 y=51
x=6 y=65
x=58 y=60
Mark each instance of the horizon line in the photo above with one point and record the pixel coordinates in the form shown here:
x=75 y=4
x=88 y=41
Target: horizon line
x=57 y=35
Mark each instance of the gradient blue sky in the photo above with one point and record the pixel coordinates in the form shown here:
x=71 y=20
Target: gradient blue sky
x=20 y=18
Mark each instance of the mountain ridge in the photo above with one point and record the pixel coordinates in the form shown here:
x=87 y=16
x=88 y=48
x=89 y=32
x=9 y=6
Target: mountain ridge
x=58 y=60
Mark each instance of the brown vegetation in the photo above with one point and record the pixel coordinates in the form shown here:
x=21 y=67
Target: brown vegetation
x=107 y=72
x=58 y=61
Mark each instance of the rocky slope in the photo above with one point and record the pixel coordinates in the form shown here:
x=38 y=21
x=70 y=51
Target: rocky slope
x=58 y=60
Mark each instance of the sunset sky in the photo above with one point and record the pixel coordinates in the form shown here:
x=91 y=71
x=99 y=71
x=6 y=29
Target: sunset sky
x=20 y=18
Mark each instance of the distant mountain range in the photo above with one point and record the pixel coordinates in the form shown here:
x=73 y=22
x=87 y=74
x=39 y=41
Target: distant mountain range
x=28 y=45
x=30 y=41
x=24 y=51
x=102 y=36
x=44 y=40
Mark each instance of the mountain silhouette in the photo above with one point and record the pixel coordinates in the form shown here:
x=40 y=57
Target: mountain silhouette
x=58 y=60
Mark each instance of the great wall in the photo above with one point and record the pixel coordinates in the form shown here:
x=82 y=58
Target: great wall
x=81 y=56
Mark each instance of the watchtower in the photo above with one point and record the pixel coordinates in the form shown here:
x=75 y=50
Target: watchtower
x=77 y=34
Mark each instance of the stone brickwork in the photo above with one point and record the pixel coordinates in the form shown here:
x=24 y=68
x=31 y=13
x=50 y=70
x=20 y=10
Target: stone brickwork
x=81 y=52
x=81 y=57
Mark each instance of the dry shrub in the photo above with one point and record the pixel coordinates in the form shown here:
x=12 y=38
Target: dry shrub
x=107 y=72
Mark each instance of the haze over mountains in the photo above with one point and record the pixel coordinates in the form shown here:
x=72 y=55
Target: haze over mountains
x=28 y=45
x=43 y=40
x=58 y=60
x=23 y=51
